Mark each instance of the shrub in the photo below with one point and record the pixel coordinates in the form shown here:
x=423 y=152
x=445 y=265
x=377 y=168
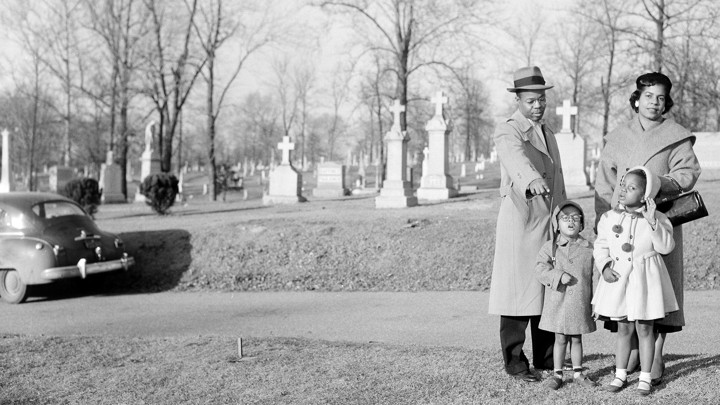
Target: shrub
x=84 y=191
x=160 y=190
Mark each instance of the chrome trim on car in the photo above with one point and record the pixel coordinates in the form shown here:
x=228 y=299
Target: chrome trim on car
x=57 y=273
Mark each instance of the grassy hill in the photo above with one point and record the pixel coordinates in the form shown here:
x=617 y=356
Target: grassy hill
x=339 y=244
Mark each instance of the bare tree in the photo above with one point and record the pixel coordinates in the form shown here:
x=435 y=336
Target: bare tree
x=662 y=15
x=214 y=27
x=123 y=25
x=526 y=32
x=339 y=92
x=373 y=97
x=54 y=24
x=287 y=99
x=171 y=70
x=303 y=81
x=28 y=112
x=577 y=56
x=608 y=15
x=470 y=121
x=411 y=33
x=258 y=117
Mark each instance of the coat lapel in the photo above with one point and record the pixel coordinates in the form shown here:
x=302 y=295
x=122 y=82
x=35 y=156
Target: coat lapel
x=527 y=131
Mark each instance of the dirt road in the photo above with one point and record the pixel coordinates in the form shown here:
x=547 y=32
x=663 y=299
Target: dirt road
x=425 y=318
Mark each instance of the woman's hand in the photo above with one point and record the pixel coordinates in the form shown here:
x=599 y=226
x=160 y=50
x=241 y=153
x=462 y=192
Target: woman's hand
x=610 y=275
x=649 y=212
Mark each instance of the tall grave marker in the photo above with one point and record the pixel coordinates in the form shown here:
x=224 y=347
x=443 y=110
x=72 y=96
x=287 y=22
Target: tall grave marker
x=436 y=183
x=5 y=177
x=111 y=181
x=150 y=159
x=572 y=150
x=396 y=191
x=285 y=182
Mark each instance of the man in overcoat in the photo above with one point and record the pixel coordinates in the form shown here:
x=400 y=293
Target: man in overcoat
x=531 y=186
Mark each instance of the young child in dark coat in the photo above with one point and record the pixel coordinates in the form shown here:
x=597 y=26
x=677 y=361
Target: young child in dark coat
x=565 y=268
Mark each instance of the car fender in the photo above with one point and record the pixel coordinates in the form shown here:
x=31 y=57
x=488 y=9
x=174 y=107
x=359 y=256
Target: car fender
x=23 y=255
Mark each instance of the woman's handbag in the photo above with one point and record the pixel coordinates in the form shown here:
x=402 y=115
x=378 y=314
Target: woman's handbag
x=684 y=207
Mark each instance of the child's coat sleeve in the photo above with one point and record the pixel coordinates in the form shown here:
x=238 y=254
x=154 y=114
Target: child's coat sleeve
x=601 y=249
x=545 y=271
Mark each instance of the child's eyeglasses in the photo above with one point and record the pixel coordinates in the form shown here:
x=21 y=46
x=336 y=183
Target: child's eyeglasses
x=570 y=218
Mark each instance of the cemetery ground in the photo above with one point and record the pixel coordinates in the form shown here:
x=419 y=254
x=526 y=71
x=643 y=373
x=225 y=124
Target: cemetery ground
x=333 y=245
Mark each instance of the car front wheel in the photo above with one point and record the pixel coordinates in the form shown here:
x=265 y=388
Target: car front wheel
x=12 y=289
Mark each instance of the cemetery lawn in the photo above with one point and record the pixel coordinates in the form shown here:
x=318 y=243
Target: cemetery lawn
x=328 y=245
x=339 y=245
x=206 y=369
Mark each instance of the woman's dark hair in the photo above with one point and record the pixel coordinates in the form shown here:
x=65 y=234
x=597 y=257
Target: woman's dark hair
x=649 y=80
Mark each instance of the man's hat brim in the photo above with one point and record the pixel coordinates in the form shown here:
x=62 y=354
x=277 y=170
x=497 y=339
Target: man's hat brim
x=529 y=88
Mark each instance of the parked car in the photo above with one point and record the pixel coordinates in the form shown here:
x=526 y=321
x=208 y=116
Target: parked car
x=45 y=237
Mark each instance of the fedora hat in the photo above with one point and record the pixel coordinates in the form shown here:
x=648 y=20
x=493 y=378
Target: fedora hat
x=528 y=78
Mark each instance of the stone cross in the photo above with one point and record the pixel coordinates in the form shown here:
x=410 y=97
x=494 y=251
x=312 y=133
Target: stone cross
x=566 y=111
x=286 y=146
x=396 y=109
x=440 y=100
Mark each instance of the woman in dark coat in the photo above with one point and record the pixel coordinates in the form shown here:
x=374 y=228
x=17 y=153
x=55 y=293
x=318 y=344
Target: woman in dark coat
x=666 y=148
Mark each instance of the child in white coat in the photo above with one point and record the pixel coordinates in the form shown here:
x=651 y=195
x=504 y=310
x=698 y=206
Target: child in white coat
x=635 y=288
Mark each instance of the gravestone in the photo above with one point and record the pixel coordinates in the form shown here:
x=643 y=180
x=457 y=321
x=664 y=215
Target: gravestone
x=330 y=180
x=42 y=182
x=493 y=155
x=285 y=182
x=396 y=191
x=572 y=152
x=150 y=159
x=426 y=161
x=436 y=183
x=111 y=181
x=707 y=150
x=6 y=178
x=59 y=177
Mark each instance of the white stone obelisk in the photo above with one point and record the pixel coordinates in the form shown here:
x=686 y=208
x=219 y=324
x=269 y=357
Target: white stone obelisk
x=5 y=186
x=396 y=191
x=436 y=183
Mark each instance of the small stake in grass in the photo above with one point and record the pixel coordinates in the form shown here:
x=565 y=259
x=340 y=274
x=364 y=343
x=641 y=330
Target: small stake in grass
x=240 y=349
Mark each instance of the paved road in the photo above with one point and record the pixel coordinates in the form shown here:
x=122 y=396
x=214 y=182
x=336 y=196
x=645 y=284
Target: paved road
x=426 y=318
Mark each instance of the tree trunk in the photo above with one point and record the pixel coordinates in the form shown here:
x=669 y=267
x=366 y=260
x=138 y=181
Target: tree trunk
x=211 y=126
x=659 y=35
x=123 y=141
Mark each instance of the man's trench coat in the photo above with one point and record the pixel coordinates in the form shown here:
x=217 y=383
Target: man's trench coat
x=523 y=224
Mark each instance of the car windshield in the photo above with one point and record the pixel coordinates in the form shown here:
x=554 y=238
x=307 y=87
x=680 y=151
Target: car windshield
x=54 y=209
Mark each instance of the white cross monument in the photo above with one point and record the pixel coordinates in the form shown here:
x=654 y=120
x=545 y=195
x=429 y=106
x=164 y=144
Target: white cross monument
x=567 y=112
x=572 y=150
x=286 y=146
x=396 y=191
x=436 y=183
x=285 y=182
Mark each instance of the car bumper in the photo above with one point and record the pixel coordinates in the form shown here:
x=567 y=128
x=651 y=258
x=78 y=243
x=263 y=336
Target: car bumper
x=82 y=270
